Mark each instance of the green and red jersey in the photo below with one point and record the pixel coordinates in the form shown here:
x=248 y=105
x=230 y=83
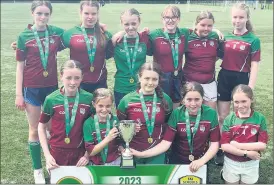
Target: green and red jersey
x=239 y=51
x=123 y=73
x=161 y=48
x=91 y=140
x=75 y=41
x=28 y=51
x=208 y=131
x=53 y=109
x=201 y=57
x=130 y=108
x=244 y=130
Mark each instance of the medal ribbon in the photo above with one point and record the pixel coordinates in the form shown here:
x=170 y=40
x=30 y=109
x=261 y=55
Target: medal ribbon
x=149 y=123
x=91 y=52
x=131 y=62
x=104 y=152
x=70 y=122
x=175 y=51
x=44 y=55
x=188 y=130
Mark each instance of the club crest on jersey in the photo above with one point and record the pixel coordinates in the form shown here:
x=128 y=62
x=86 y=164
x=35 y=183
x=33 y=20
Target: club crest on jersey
x=202 y=128
x=242 y=47
x=253 y=131
x=82 y=111
x=211 y=43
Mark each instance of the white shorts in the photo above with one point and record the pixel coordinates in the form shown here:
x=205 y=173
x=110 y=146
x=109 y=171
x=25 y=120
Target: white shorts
x=246 y=172
x=210 y=91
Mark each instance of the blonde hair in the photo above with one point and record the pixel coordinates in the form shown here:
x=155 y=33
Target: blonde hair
x=243 y=6
x=71 y=64
x=98 y=34
x=131 y=11
x=102 y=93
x=174 y=9
x=204 y=15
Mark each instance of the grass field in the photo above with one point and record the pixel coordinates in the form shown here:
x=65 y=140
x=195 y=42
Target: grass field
x=15 y=160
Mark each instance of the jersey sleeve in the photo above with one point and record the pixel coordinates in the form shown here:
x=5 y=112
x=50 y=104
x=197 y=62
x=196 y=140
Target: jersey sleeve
x=263 y=135
x=21 y=49
x=122 y=109
x=170 y=107
x=171 y=128
x=220 y=49
x=66 y=36
x=47 y=111
x=145 y=35
x=215 y=129
x=256 y=50
x=226 y=135
x=88 y=138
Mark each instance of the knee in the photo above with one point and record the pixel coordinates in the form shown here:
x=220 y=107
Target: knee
x=33 y=132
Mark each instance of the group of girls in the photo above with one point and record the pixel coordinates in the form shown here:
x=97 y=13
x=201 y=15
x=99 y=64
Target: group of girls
x=79 y=116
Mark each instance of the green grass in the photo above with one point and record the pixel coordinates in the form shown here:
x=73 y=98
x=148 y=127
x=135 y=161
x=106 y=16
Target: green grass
x=15 y=160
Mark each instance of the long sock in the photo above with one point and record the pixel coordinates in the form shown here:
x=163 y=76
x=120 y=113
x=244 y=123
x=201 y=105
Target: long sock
x=35 y=153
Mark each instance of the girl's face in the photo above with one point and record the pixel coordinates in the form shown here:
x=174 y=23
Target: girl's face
x=130 y=24
x=170 y=21
x=193 y=101
x=149 y=80
x=103 y=107
x=242 y=103
x=89 y=16
x=239 y=19
x=204 y=27
x=71 y=79
x=41 y=16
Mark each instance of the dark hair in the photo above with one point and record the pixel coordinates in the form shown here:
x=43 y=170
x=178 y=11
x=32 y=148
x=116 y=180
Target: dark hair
x=98 y=34
x=131 y=11
x=102 y=93
x=246 y=90
x=243 y=6
x=152 y=66
x=35 y=4
x=192 y=86
x=71 y=64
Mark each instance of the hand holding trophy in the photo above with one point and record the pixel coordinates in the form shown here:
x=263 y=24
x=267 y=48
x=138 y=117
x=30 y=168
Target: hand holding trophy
x=127 y=131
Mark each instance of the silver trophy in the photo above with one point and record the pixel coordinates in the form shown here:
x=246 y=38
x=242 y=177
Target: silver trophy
x=127 y=131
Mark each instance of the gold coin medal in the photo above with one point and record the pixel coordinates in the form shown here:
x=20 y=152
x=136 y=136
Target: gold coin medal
x=91 y=68
x=45 y=73
x=175 y=72
x=191 y=157
x=67 y=140
x=131 y=80
x=149 y=140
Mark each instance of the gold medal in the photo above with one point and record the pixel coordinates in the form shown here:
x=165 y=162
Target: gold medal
x=175 y=72
x=45 y=73
x=91 y=68
x=131 y=80
x=67 y=140
x=191 y=157
x=150 y=140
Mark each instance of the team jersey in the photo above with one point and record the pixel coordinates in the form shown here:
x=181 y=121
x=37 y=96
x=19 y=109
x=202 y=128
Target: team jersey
x=28 y=51
x=74 y=39
x=239 y=51
x=53 y=109
x=208 y=131
x=130 y=108
x=161 y=48
x=91 y=141
x=123 y=73
x=244 y=130
x=200 y=57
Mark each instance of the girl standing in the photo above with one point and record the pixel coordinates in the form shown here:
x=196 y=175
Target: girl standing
x=193 y=131
x=36 y=73
x=150 y=107
x=100 y=132
x=67 y=108
x=244 y=136
x=88 y=45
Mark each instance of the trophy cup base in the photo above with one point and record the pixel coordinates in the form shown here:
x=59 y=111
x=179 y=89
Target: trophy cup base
x=127 y=163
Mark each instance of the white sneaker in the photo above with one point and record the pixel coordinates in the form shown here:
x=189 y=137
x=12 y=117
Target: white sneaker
x=39 y=176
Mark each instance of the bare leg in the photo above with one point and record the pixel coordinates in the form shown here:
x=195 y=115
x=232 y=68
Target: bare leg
x=223 y=111
x=212 y=104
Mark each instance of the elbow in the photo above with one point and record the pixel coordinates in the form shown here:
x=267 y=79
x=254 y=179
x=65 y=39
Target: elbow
x=263 y=146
